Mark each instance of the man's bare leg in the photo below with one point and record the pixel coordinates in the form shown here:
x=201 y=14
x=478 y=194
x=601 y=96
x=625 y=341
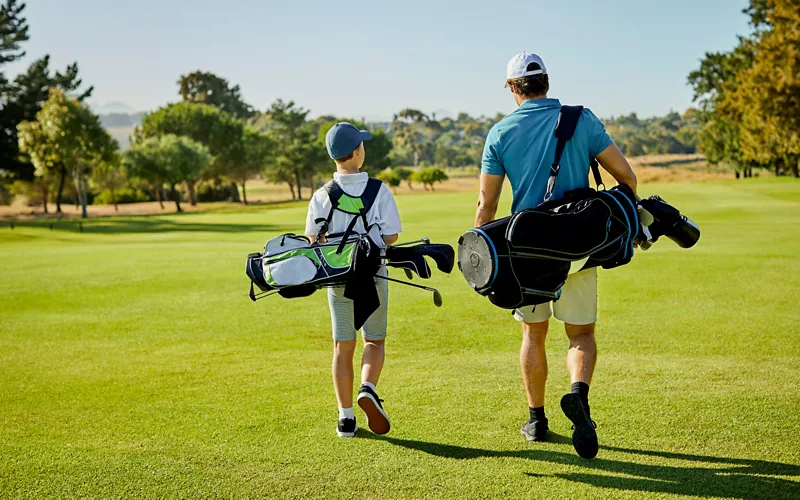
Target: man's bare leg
x=582 y=354
x=533 y=361
x=581 y=359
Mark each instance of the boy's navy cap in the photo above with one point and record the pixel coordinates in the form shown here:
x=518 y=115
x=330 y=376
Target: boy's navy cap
x=344 y=138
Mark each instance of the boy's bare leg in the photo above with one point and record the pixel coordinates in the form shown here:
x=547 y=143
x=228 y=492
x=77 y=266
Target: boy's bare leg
x=372 y=360
x=342 y=371
x=533 y=361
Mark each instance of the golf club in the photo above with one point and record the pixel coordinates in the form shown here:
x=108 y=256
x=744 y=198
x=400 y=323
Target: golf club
x=424 y=240
x=437 y=296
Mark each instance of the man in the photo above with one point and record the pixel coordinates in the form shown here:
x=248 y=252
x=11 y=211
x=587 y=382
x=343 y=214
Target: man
x=521 y=147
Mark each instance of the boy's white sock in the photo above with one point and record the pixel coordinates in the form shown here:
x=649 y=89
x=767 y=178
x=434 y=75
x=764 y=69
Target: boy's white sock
x=347 y=413
x=369 y=384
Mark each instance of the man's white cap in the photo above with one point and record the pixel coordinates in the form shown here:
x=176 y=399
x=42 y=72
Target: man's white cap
x=524 y=64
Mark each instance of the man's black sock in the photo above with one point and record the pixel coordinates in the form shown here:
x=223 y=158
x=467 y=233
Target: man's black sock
x=537 y=414
x=582 y=390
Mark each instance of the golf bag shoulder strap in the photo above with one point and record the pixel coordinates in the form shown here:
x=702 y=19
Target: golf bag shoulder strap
x=358 y=206
x=355 y=205
x=565 y=129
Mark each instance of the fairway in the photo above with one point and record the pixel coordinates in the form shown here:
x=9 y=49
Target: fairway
x=132 y=363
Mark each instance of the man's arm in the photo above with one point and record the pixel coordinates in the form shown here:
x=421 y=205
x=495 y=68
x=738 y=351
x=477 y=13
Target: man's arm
x=613 y=161
x=491 y=187
x=389 y=238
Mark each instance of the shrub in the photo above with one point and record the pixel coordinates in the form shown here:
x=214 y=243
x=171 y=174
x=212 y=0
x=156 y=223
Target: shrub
x=389 y=177
x=429 y=176
x=124 y=195
x=404 y=173
x=216 y=191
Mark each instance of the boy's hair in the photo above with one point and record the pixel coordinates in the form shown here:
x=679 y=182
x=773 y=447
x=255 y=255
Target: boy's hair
x=348 y=157
x=531 y=86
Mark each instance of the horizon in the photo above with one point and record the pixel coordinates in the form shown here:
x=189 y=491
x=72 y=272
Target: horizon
x=447 y=60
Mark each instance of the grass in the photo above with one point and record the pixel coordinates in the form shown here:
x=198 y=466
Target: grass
x=133 y=365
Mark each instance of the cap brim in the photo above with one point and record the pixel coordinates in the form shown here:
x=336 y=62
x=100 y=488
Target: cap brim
x=365 y=135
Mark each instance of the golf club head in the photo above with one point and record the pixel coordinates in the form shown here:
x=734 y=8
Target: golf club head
x=437 y=298
x=409 y=274
x=426 y=240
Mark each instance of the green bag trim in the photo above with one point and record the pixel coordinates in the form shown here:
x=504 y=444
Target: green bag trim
x=341 y=262
x=350 y=205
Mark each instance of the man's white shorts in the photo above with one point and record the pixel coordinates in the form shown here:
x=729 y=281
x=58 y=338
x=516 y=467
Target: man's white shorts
x=577 y=305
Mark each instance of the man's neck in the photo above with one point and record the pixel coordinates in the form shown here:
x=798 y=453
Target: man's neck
x=521 y=99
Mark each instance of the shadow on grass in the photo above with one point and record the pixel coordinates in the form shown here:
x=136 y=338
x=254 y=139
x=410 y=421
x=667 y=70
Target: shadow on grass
x=716 y=477
x=144 y=224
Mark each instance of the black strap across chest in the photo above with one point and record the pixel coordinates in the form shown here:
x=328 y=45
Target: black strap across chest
x=335 y=194
x=565 y=129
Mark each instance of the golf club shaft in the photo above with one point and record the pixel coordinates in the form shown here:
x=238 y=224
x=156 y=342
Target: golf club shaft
x=407 y=283
x=405 y=244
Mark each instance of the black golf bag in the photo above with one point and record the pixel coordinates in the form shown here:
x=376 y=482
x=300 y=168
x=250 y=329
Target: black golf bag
x=525 y=259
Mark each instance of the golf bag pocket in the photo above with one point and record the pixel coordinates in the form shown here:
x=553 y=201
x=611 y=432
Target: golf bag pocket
x=295 y=270
x=572 y=233
x=284 y=243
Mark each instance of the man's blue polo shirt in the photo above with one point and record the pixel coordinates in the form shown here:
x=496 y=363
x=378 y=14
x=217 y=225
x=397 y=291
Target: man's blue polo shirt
x=522 y=146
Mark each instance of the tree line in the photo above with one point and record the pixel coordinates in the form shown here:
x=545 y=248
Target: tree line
x=749 y=97
x=211 y=143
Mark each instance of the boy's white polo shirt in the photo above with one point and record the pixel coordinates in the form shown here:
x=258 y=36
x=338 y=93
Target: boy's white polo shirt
x=383 y=214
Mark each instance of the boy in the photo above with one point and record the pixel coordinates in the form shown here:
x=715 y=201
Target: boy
x=345 y=144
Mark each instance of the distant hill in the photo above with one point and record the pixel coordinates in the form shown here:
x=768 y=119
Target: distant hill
x=113 y=107
x=120 y=125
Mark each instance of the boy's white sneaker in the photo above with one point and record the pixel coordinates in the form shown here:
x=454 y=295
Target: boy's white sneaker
x=377 y=419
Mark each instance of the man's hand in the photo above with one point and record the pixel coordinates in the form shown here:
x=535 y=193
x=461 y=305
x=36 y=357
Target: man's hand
x=491 y=187
x=615 y=163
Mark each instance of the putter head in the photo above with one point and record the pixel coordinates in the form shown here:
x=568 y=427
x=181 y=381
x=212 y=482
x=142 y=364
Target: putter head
x=426 y=240
x=437 y=298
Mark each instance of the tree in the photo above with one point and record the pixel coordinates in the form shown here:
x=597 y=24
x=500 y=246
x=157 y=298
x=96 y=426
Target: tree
x=208 y=88
x=67 y=133
x=168 y=159
x=21 y=99
x=220 y=132
x=300 y=153
x=258 y=149
x=767 y=99
x=108 y=175
x=406 y=128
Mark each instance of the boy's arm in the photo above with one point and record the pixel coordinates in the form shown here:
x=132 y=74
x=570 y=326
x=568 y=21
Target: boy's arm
x=489 y=198
x=312 y=228
x=389 y=217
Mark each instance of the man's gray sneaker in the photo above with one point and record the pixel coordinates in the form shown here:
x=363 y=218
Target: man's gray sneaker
x=535 y=430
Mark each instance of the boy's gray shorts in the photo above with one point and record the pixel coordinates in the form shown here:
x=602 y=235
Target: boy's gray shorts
x=342 y=313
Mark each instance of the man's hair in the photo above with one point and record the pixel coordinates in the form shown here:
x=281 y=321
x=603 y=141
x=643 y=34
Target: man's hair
x=531 y=86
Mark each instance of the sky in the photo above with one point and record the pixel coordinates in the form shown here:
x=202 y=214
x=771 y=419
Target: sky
x=371 y=59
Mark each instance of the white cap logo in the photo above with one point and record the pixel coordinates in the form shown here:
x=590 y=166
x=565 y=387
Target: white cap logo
x=524 y=64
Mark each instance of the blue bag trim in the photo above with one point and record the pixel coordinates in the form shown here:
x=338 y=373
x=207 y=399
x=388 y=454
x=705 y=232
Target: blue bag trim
x=494 y=254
